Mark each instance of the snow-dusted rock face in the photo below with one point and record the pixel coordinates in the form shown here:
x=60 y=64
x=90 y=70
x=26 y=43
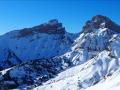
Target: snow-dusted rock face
x=44 y=41
x=46 y=57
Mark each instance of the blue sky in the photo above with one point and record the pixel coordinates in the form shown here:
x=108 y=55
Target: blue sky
x=18 y=14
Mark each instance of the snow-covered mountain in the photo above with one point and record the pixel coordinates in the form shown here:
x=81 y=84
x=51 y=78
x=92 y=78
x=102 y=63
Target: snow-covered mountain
x=46 y=57
x=44 y=41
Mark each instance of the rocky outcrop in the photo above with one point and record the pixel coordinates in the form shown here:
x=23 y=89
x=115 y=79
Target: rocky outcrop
x=100 y=21
x=52 y=27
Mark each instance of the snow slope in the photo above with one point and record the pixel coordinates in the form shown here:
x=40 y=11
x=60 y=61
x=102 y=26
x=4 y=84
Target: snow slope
x=111 y=83
x=85 y=75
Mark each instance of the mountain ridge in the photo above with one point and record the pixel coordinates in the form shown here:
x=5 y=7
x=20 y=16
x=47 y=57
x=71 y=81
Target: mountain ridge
x=31 y=60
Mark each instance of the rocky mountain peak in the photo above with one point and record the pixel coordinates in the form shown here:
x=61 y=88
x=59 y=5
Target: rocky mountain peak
x=51 y=27
x=100 y=21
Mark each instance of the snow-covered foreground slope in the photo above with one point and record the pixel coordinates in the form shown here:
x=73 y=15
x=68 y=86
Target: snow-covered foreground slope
x=85 y=75
x=110 y=83
x=46 y=57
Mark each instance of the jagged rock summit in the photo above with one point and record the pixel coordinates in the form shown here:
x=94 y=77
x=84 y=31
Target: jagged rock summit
x=100 y=21
x=52 y=27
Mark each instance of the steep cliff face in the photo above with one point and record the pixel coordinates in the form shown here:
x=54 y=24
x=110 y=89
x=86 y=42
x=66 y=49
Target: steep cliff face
x=33 y=56
x=52 y=27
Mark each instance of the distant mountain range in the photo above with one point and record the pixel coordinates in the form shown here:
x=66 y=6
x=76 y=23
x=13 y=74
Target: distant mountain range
x=47 y=57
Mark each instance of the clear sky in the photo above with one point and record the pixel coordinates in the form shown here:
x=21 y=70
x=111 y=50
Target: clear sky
x=18 y=14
